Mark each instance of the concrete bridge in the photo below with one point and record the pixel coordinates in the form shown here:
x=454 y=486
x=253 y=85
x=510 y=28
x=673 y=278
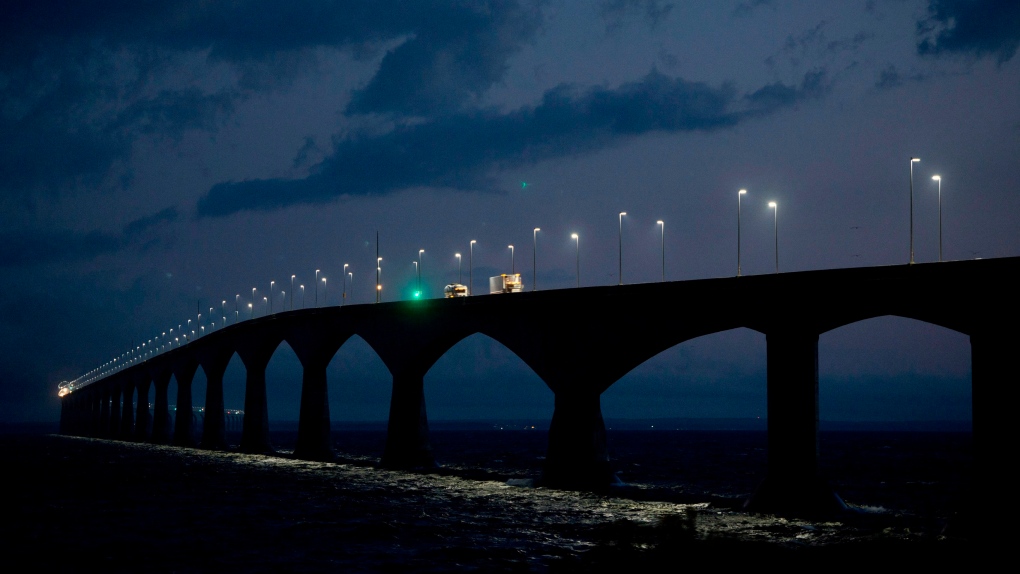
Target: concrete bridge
x=579 y=342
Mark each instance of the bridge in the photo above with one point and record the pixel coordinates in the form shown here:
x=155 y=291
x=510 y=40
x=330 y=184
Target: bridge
x=579 y=342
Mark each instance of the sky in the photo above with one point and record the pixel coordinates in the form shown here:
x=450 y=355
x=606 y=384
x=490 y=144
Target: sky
x=160 y=160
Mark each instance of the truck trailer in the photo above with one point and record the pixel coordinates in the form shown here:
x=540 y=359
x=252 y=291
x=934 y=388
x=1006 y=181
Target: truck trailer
x=506 y=283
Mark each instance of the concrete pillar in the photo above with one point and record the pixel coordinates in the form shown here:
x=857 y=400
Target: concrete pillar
x=104 y=412
x=183 y=431
x=213 y=421
x=127 y=422
x=96 y=421
x=142 y=418
x=255 y=429
x=792 y=485
x=407 y=434
x=577 y=457
x=161 y=409
x=113 y=430
x=314 y=441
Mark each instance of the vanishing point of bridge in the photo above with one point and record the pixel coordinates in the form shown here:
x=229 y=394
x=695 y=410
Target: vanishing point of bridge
x=579 y=342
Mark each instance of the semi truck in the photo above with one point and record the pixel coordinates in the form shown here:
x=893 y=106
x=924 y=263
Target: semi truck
x=455 y=290
x=506 y=283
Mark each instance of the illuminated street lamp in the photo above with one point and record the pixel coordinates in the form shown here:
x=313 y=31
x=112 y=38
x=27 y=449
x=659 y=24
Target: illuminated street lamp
x=302 y=296
x=236 y=315
x=253 y=302
x=343 y=299
x=938 y=178
x=251 y=308
x=325 y=293
x=460 y=273
x=265 y=305
x=471 y=257
x=271 y=283
x=420 y=251
x=417 y=278
x=316 y=287
x=577 y=249
x=622 y=213
x=775 y=209
x=292 y=292
x=662 y=226
x=378 y=272
x=739 y=193
x=511 y=247
x=912 y=160
x=534 y=259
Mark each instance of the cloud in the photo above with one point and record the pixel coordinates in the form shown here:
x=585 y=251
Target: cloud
x=977 y=27
x=748 y=8
x=81 y=82
x=458 y=151
x=613 y=12
x=454 y=55
x=30 y=248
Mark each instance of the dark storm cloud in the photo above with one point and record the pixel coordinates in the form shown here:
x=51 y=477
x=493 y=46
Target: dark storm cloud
x=977 y=27
x=457 y=151
x=29 y=248
x=81 y=81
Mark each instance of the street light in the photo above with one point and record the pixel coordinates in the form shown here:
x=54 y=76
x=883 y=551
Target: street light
x=351 y=274
x=662 y=226
x=271 y=283
x=938 y=178
x=512 y=269
x=739 y=193
x=343 y=299
x=577 y=247
x=265 y=305
x=252 y=309
x=534 y=259
x=460 y=274
x=325 y=293
x=302 y=296
x=775 y=209
x=912 y=160
x=417 y=281
x=253 y=302
x=471 y=258
x=292 y=292
x=420 y=251
x=378 y=271
x=622 y=213
x=236 y=314
x=316 y=287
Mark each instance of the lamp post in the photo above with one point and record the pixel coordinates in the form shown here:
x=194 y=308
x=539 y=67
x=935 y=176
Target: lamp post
x=271 y=283
x=662 y=227
x=316 y=287
x=351 y=274
x=378 y=272
x=471 y=259
x=420 y=251
x=236 y=315
x=622 y=213
x=534 y=259
x=343 y=298
x=912 y=160
x=938 y=178
x=512 y=269
x=325 y=293
x=775 y=210
x=253 y=302
x=265 y=305
x=577 y=249
x=302 y=296
x=460 y=274
x=251 y=308
x=739 y=193
x=417 y=281
x=292 y=292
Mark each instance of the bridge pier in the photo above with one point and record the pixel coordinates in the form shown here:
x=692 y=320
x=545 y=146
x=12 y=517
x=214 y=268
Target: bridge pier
x=104 y=413
x=255 y=428
x=407 y=433
x=214 y=420
x=142 y=418
x=161 y=409
x=792 y=484
x=314 y=441
x=577 y=457
x=127 y=423
x=184 y=434
x=113 y=429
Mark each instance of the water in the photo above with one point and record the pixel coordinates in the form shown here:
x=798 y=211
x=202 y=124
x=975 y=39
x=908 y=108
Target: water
x=923 y=473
